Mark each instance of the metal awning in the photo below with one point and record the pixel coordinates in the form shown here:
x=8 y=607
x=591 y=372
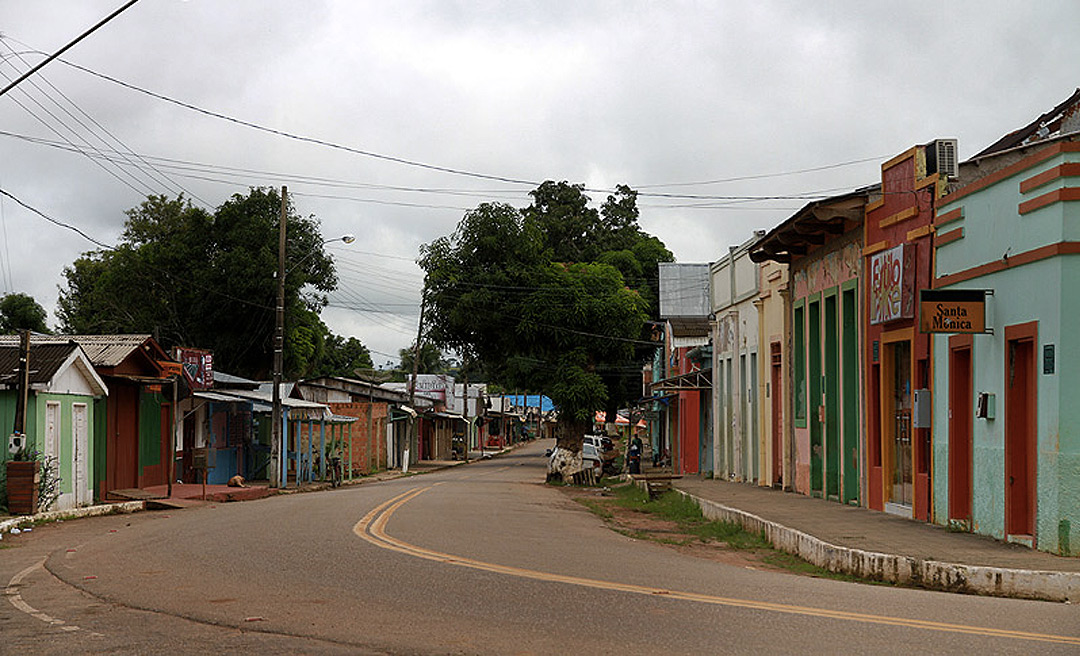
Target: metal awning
x=693 y=381
x=446 y=415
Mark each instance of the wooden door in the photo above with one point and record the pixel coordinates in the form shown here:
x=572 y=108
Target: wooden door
x=122 y=438
x=815 y=408
x=960 y=428
x=1020 y=434
x=80 y=469
x=776 y=382
x=831 y=370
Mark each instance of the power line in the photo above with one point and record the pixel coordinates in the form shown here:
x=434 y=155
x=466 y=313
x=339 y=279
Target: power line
x=61 y=51
x=425 y=165
x=762 y=176
x=302 y=138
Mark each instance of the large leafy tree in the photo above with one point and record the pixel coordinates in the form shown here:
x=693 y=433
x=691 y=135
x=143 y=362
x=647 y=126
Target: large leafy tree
x=552 y=297
x=208 y=279
x=431 y=360
x=20 y=311
x=343 y=357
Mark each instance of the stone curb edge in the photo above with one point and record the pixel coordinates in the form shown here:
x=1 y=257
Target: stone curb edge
x=73 y=513
x=905 y=570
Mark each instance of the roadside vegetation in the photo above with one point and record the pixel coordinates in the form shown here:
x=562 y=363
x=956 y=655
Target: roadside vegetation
x=677 y=521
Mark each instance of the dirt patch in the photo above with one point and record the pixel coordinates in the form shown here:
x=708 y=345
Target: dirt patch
x=644 y=525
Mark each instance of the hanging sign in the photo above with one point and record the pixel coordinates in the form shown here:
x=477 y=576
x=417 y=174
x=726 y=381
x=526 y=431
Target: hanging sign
x=198 y=367
x=952 y=311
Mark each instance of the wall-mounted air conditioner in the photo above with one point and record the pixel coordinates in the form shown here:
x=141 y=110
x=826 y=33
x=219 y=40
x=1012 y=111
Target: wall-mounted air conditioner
x=941 y=157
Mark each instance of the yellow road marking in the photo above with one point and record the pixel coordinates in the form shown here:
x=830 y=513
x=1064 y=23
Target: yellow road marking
x=14 y=595
x=373 y=529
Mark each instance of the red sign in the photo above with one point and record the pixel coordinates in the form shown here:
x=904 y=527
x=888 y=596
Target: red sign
x=198 y=367
x=892 y=284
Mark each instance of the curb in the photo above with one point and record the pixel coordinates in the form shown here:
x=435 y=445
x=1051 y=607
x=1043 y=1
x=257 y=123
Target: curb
x=73 y=513
x=905 y=570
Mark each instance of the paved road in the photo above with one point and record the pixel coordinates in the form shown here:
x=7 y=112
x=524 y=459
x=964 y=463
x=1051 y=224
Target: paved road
x=477 y=559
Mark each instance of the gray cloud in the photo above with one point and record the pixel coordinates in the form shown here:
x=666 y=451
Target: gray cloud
x=597 y=92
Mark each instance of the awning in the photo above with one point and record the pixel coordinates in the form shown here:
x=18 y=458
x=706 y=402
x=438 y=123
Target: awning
x=695 y=380
x=309 y=409
x=446 y=415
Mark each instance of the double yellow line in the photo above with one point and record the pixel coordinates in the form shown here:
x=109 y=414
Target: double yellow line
x=373 y=529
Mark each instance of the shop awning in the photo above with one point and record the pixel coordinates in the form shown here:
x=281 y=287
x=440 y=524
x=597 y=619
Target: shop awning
x=695 y=380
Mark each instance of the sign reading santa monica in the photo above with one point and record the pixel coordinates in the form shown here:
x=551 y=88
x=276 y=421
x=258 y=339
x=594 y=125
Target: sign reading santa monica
x=952 y=310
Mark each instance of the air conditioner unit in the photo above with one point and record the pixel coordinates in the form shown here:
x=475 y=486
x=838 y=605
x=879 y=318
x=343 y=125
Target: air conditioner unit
x=941 y=158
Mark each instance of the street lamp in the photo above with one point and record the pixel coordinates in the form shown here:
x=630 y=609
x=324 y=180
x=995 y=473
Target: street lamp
x=278 y=473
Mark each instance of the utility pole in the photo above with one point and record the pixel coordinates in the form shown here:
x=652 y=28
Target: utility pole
x=468 y=427
x=277 y=448
x=414 y=420
x=24 y=385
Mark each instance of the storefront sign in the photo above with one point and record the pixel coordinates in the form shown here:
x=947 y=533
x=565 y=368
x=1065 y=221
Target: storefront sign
x=952 y=311
x=892 y=284
x=198 y=367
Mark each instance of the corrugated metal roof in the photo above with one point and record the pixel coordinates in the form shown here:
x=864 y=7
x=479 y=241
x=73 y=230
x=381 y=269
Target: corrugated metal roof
x=45 y=361
x=102 y=350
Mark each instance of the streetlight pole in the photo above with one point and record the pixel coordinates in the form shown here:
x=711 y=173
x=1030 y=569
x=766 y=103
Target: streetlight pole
x=279 y=476
x=277 y=448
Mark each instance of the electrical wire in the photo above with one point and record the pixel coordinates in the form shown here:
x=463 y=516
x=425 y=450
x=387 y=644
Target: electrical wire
x=128 y=155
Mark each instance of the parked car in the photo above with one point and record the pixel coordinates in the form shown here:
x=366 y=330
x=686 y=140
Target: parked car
x=606 y=449
x=590 y=459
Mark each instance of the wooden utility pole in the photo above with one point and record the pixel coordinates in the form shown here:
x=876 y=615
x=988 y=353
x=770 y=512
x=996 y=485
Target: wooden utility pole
x=277 y=448
x=415 y=420
x=468 y=427
x=23 y=384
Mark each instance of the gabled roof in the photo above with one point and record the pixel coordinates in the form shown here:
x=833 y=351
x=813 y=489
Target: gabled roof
x=47 y=362
x=1060 y=120
x=104 y=351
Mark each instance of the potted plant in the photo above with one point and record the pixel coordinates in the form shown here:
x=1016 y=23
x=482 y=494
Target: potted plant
x=23 y=477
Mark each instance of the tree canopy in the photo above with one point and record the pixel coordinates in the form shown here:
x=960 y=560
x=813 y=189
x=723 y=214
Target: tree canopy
x=431 y=360
x=20 y=311
x=193 y=277
x=553 y=297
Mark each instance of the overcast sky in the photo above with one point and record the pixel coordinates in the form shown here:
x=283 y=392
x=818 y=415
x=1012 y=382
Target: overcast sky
x=651 y=94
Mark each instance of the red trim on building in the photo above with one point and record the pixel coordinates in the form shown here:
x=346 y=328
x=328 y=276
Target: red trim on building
x=948 y=237
x=1049 y=198
x=1067 y=170
x=949 y=217
x=1009 y=171
x=1027 y=257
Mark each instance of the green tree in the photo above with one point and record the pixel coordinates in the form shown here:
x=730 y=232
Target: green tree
x=553 y=297
x=20 y=311
x=343 y=357
x=196 y=278
x=431 y=360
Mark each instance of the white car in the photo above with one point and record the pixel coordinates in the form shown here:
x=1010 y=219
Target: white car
x=590 y=459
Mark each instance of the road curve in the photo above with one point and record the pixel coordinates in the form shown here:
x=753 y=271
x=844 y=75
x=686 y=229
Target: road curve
x=479 y=559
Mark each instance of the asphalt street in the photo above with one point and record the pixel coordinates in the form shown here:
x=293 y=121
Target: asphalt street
x=483 y=558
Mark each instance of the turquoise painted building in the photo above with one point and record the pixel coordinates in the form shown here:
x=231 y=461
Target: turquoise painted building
x=1006 y=401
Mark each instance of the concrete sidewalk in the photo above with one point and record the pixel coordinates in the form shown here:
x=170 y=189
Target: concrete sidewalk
x=876 y=545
